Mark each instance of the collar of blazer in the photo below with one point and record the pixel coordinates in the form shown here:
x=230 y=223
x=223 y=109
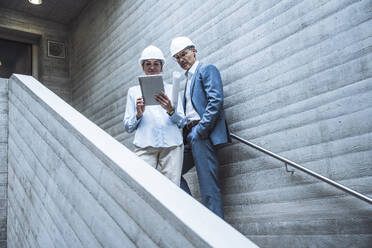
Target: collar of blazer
x=191 y=84
x=193 y=78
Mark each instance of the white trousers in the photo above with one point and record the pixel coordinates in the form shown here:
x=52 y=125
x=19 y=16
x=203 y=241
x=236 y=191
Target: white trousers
x=166 y=160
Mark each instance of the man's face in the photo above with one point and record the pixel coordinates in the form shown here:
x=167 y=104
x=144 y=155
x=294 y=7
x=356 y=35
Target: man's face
x=152 y=66
x=186 y=58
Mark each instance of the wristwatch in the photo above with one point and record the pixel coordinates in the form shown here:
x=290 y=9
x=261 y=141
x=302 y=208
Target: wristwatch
x=170 y=113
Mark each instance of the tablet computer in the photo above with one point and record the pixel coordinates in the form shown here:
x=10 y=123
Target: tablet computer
x=151 y=85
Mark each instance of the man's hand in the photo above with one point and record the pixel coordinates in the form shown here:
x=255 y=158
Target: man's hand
x=164 y=101
x=192 y=136
x=140 y=107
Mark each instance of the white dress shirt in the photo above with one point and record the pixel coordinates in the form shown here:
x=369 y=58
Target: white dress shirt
x=190 y=112
x=154 y=128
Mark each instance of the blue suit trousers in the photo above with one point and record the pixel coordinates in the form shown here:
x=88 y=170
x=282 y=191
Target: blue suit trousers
x=203 y=155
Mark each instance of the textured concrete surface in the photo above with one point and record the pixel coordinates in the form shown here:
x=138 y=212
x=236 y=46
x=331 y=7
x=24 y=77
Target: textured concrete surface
x=3 y=159
x=72 y=185
x=53 y=72
x=297 y=81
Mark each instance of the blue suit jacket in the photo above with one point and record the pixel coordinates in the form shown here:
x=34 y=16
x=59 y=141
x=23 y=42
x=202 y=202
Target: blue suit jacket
x=207 y=98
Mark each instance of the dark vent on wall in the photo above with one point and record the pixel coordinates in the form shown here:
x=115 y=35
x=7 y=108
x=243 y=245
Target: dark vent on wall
x=56 y=49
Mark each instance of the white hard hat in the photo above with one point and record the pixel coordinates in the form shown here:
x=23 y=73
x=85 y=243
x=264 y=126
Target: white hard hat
x=180 y=43
x=151 y=52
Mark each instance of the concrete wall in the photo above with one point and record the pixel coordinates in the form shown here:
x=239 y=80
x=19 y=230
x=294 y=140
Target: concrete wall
x=3 y=158
x=297 y=80
x=73 y=185
x=52 y=72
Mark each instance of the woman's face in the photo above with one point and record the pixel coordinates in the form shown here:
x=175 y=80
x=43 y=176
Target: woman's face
x=152 y=66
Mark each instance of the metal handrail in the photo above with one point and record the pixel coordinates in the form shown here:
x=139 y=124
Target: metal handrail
x=310 y=172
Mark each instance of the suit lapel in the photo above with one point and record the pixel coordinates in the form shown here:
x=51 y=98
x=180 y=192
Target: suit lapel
x=193 y=80
x=184 y=98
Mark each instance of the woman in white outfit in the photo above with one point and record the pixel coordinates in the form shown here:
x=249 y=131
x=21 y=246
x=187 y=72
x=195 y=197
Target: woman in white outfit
x=158 y=140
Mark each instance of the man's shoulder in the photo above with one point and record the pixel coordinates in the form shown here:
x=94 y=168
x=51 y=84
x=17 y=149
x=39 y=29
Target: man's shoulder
x=206 y=67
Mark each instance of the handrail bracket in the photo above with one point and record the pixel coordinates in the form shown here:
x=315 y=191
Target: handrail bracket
x=288 y=170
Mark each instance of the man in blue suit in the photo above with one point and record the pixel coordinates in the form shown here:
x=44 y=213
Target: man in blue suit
x=204 y=123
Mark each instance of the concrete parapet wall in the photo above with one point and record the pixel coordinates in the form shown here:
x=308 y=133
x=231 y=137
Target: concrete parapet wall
x=73 y=185
x=3 y=159
x=297 y=80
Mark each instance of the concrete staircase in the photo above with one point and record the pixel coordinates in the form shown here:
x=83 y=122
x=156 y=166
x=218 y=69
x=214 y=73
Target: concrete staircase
x=70 y=184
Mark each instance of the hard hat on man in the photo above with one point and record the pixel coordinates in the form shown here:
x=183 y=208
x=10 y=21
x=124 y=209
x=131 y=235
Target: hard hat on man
x=180 y=43
x=151 y=52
